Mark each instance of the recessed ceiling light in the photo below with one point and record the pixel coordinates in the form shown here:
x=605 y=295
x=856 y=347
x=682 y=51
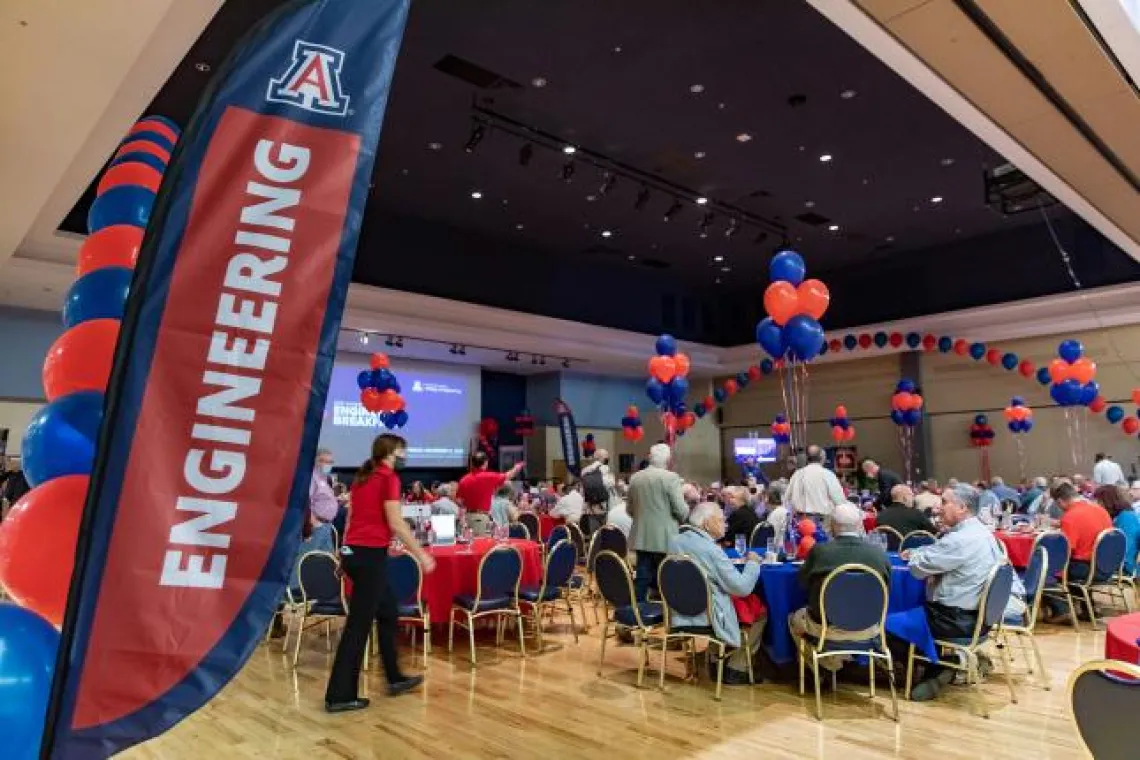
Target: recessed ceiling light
x=518 y=226
x=743 y=137
x=825 y=157
x=890 y=238
x=936 y=199
x=726 y=269
x=202 y=66
x=696 y=88
x=848 y=94
x=833 y=227
x=569 y=150
x=916 y=208
x=947 y=161
x=591 y=198
x=617 y=49
x=404 y=172
x=718 y=281
x=718 y=259
x=702 y=201
x=699 y=154
x=631 y=257
x=607 y=233
x=435 y=145
x=538 y=82
x=704 y=235
x=866 y=181
x=809 y=204
x=476 y=194
x=720 y=106
x=505 y=201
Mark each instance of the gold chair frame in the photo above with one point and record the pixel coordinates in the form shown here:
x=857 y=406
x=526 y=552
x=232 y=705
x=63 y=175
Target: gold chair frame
x=641 y=632
x=501 y=614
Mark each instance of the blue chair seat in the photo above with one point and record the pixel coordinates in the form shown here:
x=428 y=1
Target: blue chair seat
x=651 y=614
x=486 y=604
x=536 y=594
x=408 y=610
x=326 y=608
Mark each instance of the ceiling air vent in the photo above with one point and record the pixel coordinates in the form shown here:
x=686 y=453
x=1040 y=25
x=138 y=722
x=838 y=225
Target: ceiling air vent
x=474 y=74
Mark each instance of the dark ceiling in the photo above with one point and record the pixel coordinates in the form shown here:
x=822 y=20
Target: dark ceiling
x=662 y=93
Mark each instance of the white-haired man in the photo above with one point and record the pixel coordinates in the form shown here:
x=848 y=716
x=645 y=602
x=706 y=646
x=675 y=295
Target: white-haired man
x=443 y=504
x=814 y=489
x=656 y=507
x=725 y=582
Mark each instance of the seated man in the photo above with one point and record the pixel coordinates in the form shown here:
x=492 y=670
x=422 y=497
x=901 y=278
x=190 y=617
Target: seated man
x=571 y=506
x=742 y=517
x=846 y=547
x=902 y=514
x=700 y=544
x=443 y=505
x=927 y=497
x=956 y=568
x=619 y=517
x=1081 y=522
x=503 y=509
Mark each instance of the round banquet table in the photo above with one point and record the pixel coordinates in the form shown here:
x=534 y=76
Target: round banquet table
x=1122 y=638
x=1019 y=546
x=457 y=572
x=546 y=523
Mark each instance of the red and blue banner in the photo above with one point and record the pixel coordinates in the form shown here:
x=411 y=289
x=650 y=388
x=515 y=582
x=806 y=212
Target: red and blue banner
x=214 y=406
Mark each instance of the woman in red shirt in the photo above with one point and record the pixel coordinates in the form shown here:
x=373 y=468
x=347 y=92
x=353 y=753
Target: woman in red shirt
x=419 y=495
x=375 y=518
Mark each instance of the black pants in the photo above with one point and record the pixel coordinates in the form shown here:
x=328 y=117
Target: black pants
x=372 y=599
x=645 y=576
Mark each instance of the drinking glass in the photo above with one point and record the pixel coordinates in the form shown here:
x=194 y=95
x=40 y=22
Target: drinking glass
x=741 y=545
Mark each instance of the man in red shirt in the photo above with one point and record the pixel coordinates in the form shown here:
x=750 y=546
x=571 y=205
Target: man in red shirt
x=1081 y=522
x=477 y=488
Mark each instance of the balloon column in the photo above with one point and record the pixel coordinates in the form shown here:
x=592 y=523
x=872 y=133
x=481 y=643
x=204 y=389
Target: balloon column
x=791 y=333
x=631 y=428
x=781 y=430
x=841 y=428
x=380 y=393
x=906 y=413
x=1019 y=419
x=982 y=437
x=667 y=387
x=37 y=539
x=589 y=446
x=488 y=438
x=524 y=424
x=1073 y=386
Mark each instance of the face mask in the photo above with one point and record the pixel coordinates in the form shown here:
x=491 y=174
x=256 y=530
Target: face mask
x=326 y=469
x=401 y=461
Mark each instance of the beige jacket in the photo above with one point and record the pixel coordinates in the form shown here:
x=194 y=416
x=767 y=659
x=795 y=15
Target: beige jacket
x=656 y=507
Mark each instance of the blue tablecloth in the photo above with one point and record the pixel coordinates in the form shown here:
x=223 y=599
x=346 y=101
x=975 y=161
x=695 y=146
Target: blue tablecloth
x=783 y=595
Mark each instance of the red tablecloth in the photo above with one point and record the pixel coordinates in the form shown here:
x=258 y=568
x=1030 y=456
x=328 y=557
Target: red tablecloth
x=1120 y=638
x=870 y=520
x=546 y=524
x=1018 y=545
x=456 y=572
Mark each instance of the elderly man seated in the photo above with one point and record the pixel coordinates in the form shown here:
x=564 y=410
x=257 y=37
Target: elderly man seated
x=741 y=515
x=443 y=504
x=902 y=515
x=726 y=581
x=846 y=547
x=956 y=568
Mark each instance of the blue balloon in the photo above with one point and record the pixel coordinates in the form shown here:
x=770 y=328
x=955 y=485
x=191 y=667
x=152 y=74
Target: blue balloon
x=677 y=389
x=989 y=435
x=804 y=336
x=945 y=344
x=897 y=417
x=913 y=339
x=766 y=366
x=679 y=408
x=849 y=342
x=589 y=437
x=742 y=379
x=28 y=646
x=977 y=351
x=138 y=157
x=1009 y=361
x=1070 y=350
x=400 y=418
x=906 y=386
x=1014 y=426
x=980 y=419
x=781 y=418
x=101 y=294
x=911 y=417
x=383 y=379
x=787 y=266
x=824 y=348
x=1114 y=414
x=699 y=410
x=1089 y=391
x=881 y=339
x=1026 y=425
x=395 y=385
x=364 y=379
x=60 y=439
x=666 y=345
x=843 y=422
x=157 y=138
x=1057 y=394
x=770 y=336
x=1069 y=391
x=627 y=421
x=125 y=204
x=1043 y=376
x=655 y=390
x=1018 y=401
x=720 y=394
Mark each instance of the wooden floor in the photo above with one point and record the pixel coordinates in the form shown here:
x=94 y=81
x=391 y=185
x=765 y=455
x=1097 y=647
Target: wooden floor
x=554 y=705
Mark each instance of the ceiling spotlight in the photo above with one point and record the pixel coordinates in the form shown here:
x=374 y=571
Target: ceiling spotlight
x=696 y=88
x=518 y=226
x=718 y=259
x=936 y=199
x=399 y=342
x=743 y=137
x=569 y=150
x=533 y=359
x=526 y=152
x=726 y=269
x=453 y=349
x=567 y=172
x=702 y=201
x=565 y=364
x=476 y=194
x=732 y=228
x=609 y=179
x=607 y=234
x=538 y=82
x=825 y=157
x=809 y=204
x=642 y=198
x=947 y=161
x=699 y=154
x=591 y=198
x=833 y=227
x=631 y=257
x=542 y=360
x=435 y=145
x=672 y=211
x=363 y=338
x=848 y=94
x=477 y=134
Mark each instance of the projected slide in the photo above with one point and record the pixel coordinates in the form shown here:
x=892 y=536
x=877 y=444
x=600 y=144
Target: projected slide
x=443 y=409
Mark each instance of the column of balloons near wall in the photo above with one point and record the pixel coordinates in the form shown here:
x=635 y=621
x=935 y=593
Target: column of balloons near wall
x=589 y=446
x=524 y=424
x=1019 y=419
x=631 y=429
x=981 y=434
x=380 y=393
x=781 y=430
x=906 y=413
x=841 y=428
x=37 y=540
x=1073 y=386
x=668 y=385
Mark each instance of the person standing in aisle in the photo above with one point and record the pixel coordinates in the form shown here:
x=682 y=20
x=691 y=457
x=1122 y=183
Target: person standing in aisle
x=375 y=519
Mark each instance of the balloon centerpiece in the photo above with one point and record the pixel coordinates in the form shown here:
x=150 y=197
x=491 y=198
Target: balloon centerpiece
x=1073 y=387
x=781 y=430
x=981 y=438
x=791 y=333
x=631 y=429
x=906 y=413
x=668 y=386
x=842 y=430
x=380 y=393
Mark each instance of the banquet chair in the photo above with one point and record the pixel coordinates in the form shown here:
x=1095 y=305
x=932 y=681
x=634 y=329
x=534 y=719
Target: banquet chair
x=531 y=521
x=1056 y=585
x=518 y=530
x=1105 y=569
x=287 y=606
x=557 y=533
x=760 y=536
x=555 y=586
x=894 y=538
x=605 y=538
x=853 y=598
x=615 y=583
x=991 y=610
x=1013 y=630
x=685 y=590
x=496 y=595
x=1100 y=693
x=406 y=579
x=916 y=539
x=322 y=595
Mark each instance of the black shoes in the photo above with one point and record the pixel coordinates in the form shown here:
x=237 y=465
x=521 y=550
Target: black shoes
x=353 y=704
x=407 y=684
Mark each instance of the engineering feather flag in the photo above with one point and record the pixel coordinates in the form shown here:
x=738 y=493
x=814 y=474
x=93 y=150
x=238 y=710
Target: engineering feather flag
x=214 y=406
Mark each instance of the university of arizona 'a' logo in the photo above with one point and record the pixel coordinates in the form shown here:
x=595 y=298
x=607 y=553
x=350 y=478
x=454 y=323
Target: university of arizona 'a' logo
x=312 y=81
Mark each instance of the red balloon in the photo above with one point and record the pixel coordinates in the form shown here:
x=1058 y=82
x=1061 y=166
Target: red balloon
x=370 y=400
x=900 y=401
x=489 y=427
x=37 y=545
x=1136 y=395
x=849 y=434
x=663 y=368
x=805 y=547
x=754 y=372
x=710 y=403
x=993 y=356
x=1058 y=370
x=639 y=433
x=682 y=363
x=841 y=411
x=837 y=434
x=1130 y=425
x=114 y=246
x=1026 y=368
x=961 y=347
x=144 y=146
x=1083 y=370
x=130 y=173
x=915 y=401
x=730 y=387
x=929 y=342
x=398 y=402
x=895 y=339
x=628 y=433
x=631 y=410
x=81 y=359
x=781 y=301
x=865 y=340
x=379 y=361
x=1008 y=413
x=689 y=419
x=835 y=345
x=814 y=298
x=806 y=526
